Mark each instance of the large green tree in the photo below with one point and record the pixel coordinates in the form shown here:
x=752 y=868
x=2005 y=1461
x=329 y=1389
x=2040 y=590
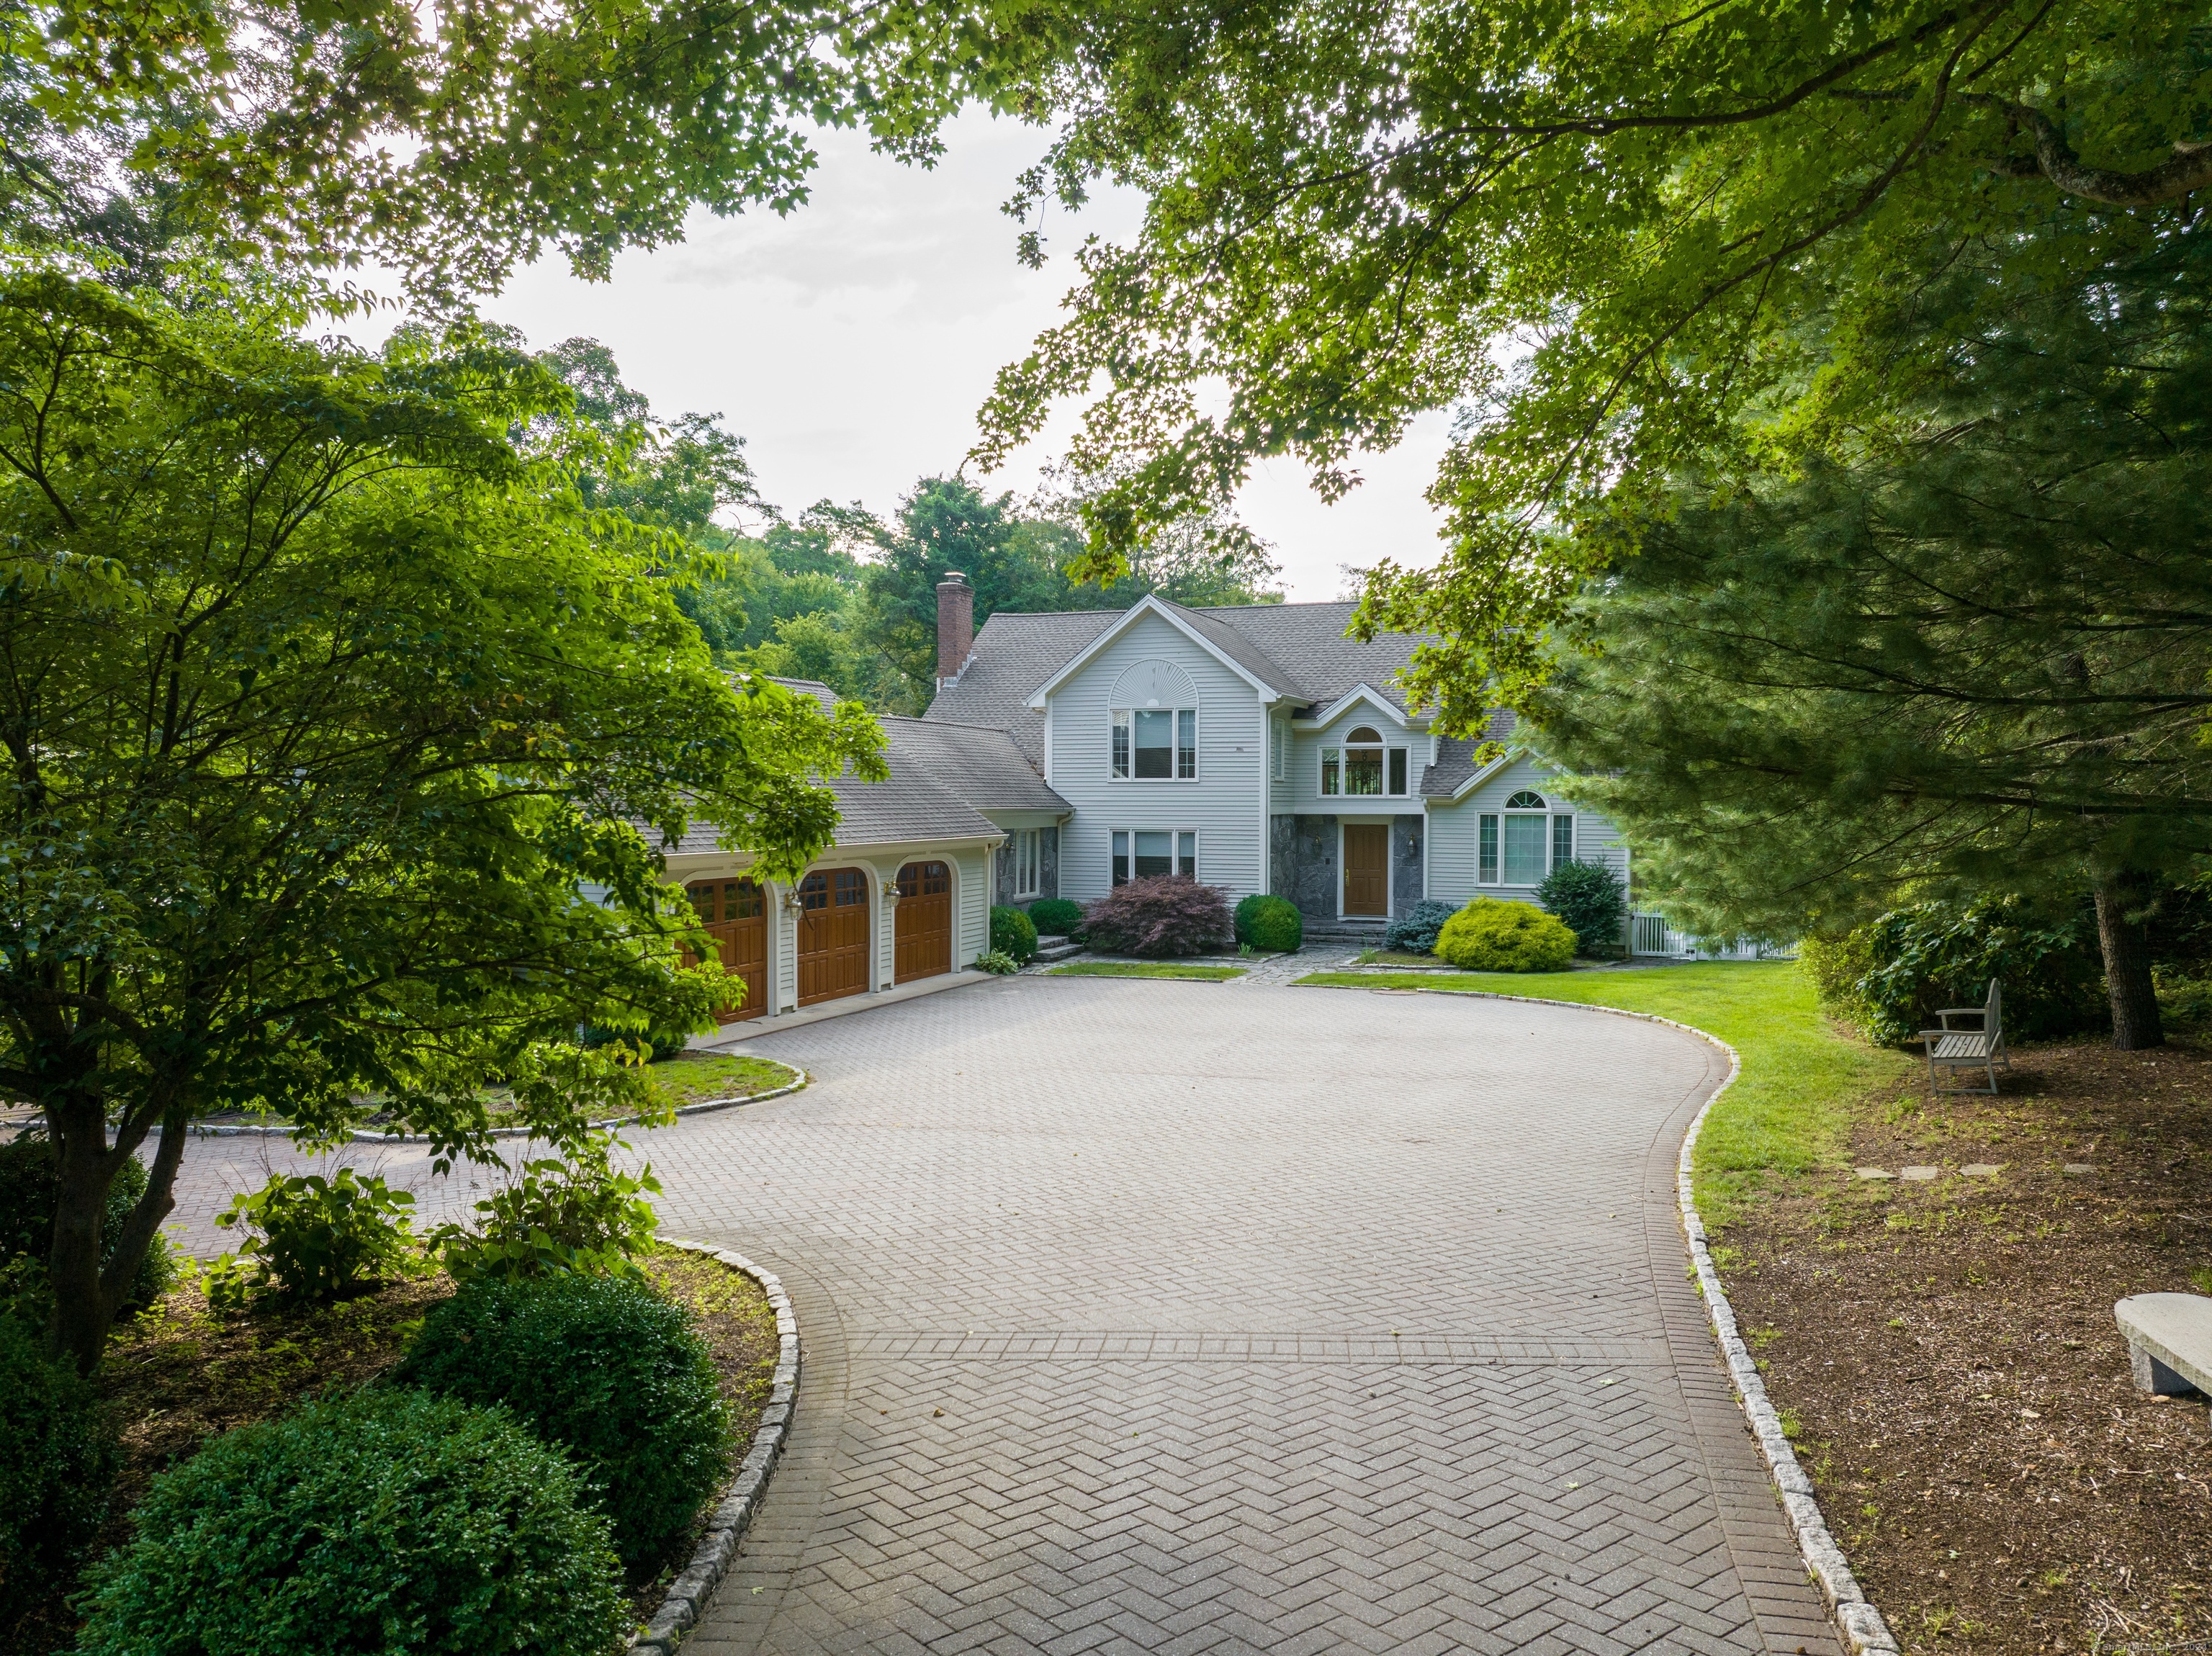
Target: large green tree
x=455 y=142
x=340 y=738
x=1967 y=649
x=1602 y=234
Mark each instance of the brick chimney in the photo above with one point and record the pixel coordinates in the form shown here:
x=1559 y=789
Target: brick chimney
x=956 y=625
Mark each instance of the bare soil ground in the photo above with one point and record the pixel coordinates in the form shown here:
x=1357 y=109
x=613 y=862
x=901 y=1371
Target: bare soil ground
x=1944 y=1354
x=180 y=1374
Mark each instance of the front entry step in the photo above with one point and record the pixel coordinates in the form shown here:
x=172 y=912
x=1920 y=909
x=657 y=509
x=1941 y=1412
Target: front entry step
x=1056 y=949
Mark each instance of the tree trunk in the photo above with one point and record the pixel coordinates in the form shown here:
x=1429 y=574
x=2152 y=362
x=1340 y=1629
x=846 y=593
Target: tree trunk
x=2126 y=942
x=86 y=1297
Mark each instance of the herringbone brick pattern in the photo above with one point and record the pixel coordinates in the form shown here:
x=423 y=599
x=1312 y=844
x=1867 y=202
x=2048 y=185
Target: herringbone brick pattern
x=1150 y=1317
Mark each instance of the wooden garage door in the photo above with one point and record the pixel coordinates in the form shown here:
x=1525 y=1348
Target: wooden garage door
x=924 y=922
x=833 y=935
x=1366 y=868
x=736 y=917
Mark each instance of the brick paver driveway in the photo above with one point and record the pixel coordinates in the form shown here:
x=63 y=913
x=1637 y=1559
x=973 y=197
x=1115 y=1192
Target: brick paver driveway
x=1177 y=1318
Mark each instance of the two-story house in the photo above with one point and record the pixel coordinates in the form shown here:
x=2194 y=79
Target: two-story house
x=1256 y=748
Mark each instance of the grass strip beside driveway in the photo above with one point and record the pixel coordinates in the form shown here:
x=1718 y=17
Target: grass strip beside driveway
x=1785 y=1116
x=1147 y=969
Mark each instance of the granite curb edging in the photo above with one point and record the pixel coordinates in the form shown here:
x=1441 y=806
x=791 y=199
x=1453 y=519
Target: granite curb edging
x=1865 y=1633
x=687 y=1597
x=363 y=1136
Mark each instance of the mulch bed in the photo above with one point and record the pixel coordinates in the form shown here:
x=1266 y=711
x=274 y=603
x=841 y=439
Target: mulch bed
x=1944 y=1354
x=179 y=1374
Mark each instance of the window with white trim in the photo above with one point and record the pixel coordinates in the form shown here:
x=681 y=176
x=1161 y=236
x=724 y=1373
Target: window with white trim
x=1522 y=844
x=1155 y=745
x=1028 y=844
x=1362 y=766
x=1144 y=854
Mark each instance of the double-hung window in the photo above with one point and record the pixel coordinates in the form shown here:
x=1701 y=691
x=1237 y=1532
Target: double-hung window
x=1522 y=844
x=1155 y=744
x=1027 y=861
x=1144 y=854
x=1362 y=766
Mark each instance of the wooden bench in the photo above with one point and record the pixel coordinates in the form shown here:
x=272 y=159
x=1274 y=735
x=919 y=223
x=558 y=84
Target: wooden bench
x=2169 y=1341
x=1982 y=1049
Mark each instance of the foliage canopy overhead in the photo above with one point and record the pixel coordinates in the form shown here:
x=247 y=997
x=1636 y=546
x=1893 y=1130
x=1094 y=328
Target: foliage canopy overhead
x=1600 y=233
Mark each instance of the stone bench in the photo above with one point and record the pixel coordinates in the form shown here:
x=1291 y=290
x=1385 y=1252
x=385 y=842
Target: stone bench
x=2169 y=1341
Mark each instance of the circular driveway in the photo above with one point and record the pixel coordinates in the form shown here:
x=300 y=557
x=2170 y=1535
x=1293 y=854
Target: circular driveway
x=1159 y=1317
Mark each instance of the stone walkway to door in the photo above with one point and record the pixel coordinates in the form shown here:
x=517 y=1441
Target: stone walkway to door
x=1170 y=1317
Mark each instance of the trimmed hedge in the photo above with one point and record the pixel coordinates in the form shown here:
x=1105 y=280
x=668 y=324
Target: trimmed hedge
x=1414 y=931
x=1588 y=897
x=57 y=1465
x=1160 y=916
x=1492 y=935
x=1014 y=935
x=388 y=1519
x=1270 y=923
x=1056 y=917
x=605 y=1368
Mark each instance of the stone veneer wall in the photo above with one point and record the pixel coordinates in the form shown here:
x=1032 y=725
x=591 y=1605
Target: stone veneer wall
x=1303 y=852
x=1405 y=862
x=1047 y=862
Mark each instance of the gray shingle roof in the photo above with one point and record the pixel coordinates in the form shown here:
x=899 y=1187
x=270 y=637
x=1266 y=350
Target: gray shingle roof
x=1298 y=649
x=1014 y=654
x=943 y=776
x=1455 y=757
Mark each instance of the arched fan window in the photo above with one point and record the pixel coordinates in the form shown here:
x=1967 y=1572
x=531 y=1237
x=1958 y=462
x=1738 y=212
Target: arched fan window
x=1527 y=800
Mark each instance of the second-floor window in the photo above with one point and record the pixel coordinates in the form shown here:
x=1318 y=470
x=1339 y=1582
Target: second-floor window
x=1363 y=766
x=1155 y=744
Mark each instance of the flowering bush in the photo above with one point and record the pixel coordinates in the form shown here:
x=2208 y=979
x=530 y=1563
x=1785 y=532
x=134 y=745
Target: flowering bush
x=1165 y=915
x=1014 y=934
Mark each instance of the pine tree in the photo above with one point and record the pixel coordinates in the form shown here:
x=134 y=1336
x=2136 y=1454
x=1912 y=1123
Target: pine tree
x=1967 y=652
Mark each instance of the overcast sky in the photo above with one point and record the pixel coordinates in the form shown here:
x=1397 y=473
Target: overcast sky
x=851 y=343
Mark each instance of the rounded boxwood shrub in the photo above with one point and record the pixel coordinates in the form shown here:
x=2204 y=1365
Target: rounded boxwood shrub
x=1271 y=923
x=604 y=1367
x=1490 y=935
x=1414 y=931
x=57 y=1465
x=386 y=1519
x=1588 y=896
x=1159 y=917
x=1056 y=917
x=1014 y=934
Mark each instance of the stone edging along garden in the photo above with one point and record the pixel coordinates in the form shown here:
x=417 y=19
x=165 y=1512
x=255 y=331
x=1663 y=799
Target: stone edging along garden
x=1864 y=1631
x=689 y=1592
x=363 y=1136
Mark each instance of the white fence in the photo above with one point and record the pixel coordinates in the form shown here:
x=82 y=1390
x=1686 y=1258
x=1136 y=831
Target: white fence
x=1649 y=935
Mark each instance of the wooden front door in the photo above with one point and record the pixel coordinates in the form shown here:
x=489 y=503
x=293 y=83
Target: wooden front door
x=833 y=935
x=923 y=923
x=736 y=916
x=1366 y=868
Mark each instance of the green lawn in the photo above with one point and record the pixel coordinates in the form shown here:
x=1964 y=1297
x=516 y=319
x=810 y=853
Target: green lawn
x=698 y=1078
x=1147 y=969
x=1785 y=1114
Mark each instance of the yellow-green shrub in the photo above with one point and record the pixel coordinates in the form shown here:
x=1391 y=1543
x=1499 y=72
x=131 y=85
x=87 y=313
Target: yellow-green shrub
x=1491 y=936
